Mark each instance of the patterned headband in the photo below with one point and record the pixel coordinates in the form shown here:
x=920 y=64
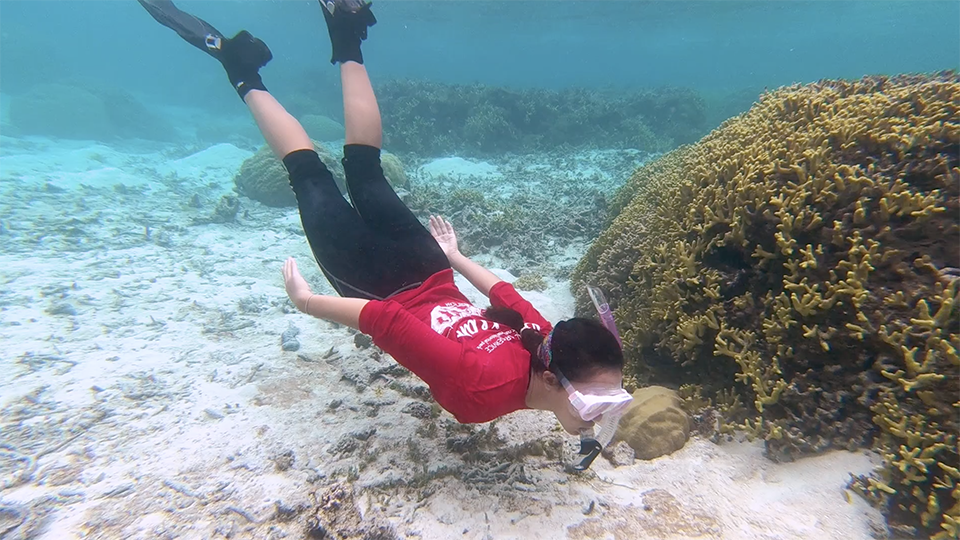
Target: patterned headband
x=545 y=351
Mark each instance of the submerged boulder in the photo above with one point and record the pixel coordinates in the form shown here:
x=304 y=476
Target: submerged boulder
x=655 y=424
x=86 y=112
x=59 y=110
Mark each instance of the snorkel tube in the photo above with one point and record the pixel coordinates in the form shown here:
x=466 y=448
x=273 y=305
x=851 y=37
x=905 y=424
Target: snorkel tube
x=592 y=443
x=603 y=310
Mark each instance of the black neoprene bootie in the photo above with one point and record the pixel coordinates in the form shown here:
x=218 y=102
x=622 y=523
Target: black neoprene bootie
x=347 y=23
x=242 y=57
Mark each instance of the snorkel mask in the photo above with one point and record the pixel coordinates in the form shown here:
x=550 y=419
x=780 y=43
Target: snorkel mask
x=601 y=404
x=593 y=402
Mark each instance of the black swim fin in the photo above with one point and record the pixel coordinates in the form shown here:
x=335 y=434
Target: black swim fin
x=193 y=30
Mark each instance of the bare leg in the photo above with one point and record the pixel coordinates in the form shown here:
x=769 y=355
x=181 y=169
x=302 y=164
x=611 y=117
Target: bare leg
x=360 y=110
x=282 y=131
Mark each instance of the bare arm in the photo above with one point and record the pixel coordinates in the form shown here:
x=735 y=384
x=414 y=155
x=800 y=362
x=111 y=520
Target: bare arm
x=478 y=276
x=345 y=311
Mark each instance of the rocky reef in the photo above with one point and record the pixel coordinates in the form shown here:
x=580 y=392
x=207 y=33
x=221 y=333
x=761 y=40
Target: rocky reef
x=86 y=111
x=430 y=118
x=795 y=272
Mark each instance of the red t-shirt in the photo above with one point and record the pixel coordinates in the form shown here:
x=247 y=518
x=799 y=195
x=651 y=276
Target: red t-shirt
x=476 y=369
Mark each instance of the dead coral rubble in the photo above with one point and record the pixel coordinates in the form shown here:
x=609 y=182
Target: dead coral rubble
x=801 y=260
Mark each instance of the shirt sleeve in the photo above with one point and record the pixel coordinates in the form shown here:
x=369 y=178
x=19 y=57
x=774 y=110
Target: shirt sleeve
x=411 y=342
x=502 y=294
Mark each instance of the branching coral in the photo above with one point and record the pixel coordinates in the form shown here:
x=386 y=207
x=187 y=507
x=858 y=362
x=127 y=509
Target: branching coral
x=802 y=257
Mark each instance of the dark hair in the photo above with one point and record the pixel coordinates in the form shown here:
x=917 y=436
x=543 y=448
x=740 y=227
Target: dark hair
x=580 y=346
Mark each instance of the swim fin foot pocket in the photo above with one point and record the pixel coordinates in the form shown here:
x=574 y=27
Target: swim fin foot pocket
x=242 y=57
x=349 y=6
x=347 y=23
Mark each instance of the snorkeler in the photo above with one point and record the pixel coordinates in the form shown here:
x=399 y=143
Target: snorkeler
x=394 y=277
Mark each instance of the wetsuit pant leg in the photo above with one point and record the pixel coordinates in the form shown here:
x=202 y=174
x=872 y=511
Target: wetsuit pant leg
x=359 y=260
x=383 y=211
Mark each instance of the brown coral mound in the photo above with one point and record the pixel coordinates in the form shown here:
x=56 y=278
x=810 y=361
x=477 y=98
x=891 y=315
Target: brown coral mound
x=655 y=424
x=802 y=257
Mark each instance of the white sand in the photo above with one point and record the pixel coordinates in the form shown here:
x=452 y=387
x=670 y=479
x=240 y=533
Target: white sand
x=164 y=407
x=451 y=169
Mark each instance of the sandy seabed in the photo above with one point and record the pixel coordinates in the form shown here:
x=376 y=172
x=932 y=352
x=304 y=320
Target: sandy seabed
x=145 y=392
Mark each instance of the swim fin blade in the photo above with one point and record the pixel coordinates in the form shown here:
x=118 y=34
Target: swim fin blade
x=193 y=30
x=349 y=6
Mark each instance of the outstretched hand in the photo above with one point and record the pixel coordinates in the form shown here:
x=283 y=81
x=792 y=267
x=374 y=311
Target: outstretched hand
x=297 y=288
x=442 y=231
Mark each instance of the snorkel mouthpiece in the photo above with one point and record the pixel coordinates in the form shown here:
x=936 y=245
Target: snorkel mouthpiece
x=590 y=448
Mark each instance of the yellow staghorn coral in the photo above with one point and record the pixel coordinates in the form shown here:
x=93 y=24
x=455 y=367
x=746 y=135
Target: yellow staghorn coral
x=802 y=257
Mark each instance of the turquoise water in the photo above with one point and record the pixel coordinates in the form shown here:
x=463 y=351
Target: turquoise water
x=554 y=44
x=156 y=381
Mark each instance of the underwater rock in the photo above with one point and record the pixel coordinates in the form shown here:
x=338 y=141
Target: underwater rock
x=282 y=461
x=263 y=178
x=620 y=454
x=322 y=128
x=655 y=424
x=337 y=515
x=362 y=341
x=288 y=340
x=86 y=112
x=60 y=307
x=132 y=119
x=418 y=409
x=59 y=110
x=226 y=210
x=792 y=265
x=393 y=170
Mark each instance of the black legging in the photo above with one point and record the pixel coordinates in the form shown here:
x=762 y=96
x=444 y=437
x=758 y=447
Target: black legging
x=373 y=249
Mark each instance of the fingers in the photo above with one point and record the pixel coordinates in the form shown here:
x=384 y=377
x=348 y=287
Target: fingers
x=289 y=268
x=439 y=226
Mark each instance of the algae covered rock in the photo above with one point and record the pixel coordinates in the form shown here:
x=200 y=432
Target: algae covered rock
x=393 y=170
x=59 y=110
x=86 y=112
x=655 y=424
x=262 y=177
x=798 y=265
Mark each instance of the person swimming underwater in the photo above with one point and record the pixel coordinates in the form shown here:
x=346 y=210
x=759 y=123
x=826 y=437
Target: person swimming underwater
x=394 y=276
